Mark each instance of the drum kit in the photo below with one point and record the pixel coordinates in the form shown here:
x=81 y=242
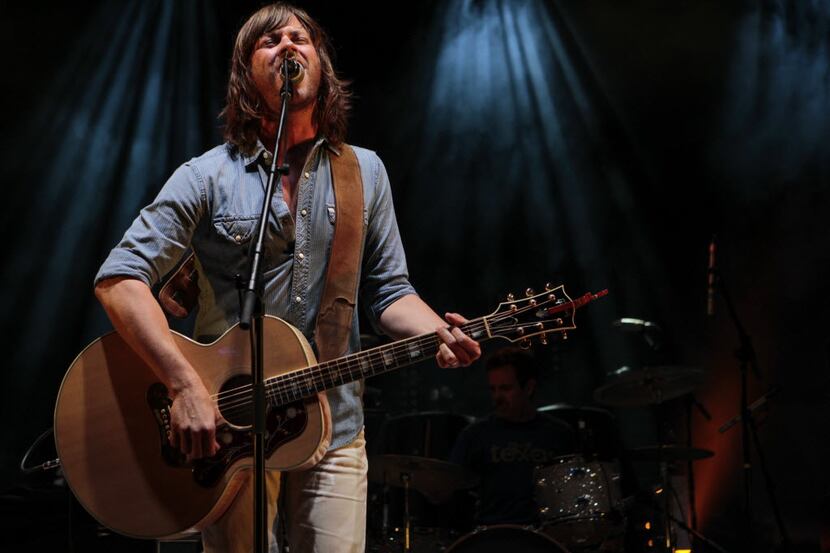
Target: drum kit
x=420 y=502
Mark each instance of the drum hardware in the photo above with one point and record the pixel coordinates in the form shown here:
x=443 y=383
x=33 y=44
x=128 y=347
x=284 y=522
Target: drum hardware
x=407 y=519
x=650 y=501
x=665 y=454
x=648 y=385
x=754 y=406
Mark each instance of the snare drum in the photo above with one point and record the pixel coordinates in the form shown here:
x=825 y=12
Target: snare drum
x=505 y=537
x=579 y=500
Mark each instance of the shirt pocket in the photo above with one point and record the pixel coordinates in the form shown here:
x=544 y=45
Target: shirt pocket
x=236 y=230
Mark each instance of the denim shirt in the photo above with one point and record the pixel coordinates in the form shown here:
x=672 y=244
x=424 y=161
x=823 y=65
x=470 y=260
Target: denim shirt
x=211 y=204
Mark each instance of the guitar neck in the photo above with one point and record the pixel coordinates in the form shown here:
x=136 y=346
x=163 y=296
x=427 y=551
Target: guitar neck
x=297 y=385
x=516 y=321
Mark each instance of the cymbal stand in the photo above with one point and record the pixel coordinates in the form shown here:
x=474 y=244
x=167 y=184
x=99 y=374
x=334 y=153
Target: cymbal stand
x=668 y=536
x=682 y=524
x=384 y=520
x=407 y=521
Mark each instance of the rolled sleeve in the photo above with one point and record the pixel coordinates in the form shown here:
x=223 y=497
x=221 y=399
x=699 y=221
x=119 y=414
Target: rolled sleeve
x=385 y=275
x=162 y=231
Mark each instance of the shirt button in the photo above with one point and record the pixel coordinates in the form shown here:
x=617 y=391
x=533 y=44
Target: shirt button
x=300 y=255
x=304 y=212
x=238 y=238
x=298 y=299
x=267 y=157
x=307 y=174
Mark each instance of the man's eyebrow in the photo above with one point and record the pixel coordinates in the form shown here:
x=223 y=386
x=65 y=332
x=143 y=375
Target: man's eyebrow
x=294 y=31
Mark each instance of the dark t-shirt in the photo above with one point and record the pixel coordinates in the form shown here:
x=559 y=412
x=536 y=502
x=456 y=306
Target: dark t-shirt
x=504 y=454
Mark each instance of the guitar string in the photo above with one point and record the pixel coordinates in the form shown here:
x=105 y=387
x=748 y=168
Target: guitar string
x=303 y=374
x=284 y=388
x=312 y=374
x=311 y=377
x=305 y=381
x=324 y=371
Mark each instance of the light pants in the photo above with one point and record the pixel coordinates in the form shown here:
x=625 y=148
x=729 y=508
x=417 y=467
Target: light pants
x=325 y=508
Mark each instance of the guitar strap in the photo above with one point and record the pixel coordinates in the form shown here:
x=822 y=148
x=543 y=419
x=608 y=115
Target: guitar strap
x=180 y=294
x=334 y=319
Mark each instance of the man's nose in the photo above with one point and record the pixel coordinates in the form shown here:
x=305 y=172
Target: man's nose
x=286 y=45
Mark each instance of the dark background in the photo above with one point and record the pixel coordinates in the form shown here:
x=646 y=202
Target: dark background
x=599 y=144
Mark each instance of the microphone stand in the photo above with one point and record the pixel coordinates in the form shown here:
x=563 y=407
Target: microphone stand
x=251 y=318
x=747 y=359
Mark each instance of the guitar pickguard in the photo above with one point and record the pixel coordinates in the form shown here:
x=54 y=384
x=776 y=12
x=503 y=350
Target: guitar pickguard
x=283 y=424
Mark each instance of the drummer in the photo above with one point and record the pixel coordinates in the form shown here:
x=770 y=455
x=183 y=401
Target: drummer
x=504 y=447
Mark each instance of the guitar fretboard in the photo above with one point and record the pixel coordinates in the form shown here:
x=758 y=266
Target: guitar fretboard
x=300 y=384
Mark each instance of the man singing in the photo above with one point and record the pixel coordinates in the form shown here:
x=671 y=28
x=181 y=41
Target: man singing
x=211 y=205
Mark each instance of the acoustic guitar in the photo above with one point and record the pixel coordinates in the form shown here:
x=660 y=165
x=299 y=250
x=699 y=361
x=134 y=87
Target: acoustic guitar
x=112 y=418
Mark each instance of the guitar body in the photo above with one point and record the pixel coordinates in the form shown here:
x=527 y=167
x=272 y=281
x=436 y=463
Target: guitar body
x=111 y=422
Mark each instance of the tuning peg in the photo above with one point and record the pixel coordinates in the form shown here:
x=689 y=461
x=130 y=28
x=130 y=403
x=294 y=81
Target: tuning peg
x=564 y=335
x=543 y=339
x=529 y=292
x=510 y=297
x=548 y=287
x=525 y=344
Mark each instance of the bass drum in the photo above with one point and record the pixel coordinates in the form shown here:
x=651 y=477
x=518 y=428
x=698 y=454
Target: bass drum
x=505 y=537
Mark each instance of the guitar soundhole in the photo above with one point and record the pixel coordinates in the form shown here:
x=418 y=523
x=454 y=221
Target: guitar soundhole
x=235 y=400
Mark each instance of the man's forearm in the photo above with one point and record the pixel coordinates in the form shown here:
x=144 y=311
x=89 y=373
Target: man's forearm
x=139 y=320
x=409 y=316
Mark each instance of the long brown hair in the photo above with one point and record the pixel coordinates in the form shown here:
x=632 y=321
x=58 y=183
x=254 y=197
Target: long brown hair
x=245 y=106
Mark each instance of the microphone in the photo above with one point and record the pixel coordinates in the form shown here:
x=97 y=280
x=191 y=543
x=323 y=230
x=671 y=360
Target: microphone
x=292 y=69
x=710 y=279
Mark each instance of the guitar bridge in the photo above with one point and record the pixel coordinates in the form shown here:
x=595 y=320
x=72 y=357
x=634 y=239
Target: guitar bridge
x=159 y=402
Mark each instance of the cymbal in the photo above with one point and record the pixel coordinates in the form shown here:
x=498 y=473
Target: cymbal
x=668 y=453
x=432 y=477
x=648 y=385
x=630 y=324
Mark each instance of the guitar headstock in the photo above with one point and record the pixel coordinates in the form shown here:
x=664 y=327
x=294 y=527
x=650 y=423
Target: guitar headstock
x=545 y=314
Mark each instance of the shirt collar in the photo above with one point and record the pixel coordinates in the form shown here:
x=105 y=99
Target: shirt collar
x=260 y=153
